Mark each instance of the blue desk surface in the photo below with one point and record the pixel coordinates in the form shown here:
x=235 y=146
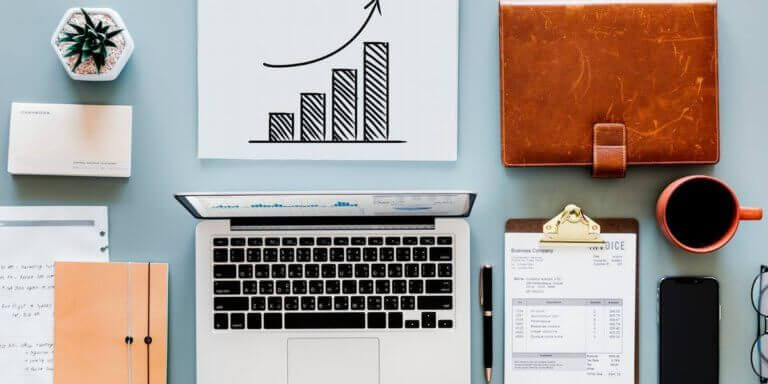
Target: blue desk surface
x=160 y=82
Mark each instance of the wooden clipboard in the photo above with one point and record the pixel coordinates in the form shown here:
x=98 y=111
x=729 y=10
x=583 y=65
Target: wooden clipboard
x=574 y=238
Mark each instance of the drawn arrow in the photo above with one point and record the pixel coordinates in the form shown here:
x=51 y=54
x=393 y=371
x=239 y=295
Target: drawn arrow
x=374 y=5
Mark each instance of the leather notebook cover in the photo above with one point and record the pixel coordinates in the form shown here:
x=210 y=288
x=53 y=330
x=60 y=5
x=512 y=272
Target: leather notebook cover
x=608 y=83
x=98 y=307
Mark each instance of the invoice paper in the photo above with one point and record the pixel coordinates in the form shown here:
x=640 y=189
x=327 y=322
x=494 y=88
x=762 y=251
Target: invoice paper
x=570 y=311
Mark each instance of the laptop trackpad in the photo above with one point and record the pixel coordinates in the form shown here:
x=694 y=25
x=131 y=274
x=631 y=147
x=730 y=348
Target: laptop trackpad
x=338 y=361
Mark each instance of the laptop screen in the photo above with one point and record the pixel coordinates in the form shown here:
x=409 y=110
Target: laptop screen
x=331 y=204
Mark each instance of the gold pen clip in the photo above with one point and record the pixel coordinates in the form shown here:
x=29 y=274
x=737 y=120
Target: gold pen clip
x=573 y=227
x=482 y=297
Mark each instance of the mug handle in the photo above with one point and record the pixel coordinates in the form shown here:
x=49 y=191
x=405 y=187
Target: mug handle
x=746 y=213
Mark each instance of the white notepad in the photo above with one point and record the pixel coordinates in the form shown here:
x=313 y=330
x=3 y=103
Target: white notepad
x=570 y=311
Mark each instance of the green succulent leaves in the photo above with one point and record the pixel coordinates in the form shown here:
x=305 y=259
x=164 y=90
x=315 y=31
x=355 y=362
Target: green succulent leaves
x=89 y=41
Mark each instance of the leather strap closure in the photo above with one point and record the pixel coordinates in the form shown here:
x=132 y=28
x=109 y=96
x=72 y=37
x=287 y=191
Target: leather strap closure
x=609 y=151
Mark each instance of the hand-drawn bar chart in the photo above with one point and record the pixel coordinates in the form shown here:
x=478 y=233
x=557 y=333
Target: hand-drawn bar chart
x=344 y=102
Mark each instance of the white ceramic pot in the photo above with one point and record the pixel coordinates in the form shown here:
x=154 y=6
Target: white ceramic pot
x=116 y=65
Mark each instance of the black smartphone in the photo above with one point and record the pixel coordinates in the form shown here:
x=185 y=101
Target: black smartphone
x=689 y=330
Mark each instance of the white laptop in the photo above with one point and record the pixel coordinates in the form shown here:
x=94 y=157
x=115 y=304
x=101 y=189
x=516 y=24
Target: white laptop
x=332 y=287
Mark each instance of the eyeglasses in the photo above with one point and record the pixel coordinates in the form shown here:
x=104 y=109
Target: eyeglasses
x=760 y=303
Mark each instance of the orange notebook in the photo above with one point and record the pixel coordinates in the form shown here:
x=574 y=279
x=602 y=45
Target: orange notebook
x=110 y=323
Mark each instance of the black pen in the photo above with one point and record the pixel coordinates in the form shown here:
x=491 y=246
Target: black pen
x=486 y=302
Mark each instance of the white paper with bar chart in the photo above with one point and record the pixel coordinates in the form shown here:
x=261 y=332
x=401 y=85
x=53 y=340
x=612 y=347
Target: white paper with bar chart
x=328 y=79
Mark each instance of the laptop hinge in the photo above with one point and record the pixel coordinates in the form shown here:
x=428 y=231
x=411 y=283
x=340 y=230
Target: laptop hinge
x=331 y=223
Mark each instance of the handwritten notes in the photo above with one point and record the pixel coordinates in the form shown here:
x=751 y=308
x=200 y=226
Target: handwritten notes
x=31 y=240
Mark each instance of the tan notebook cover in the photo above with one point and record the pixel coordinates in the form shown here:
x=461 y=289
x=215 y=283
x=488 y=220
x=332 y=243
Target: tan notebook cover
x=646 y=72
x=104 y=317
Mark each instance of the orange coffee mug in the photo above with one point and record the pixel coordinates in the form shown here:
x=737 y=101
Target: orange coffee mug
x=700 y=214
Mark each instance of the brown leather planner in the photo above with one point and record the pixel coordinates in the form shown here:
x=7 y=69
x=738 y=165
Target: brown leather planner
x=608 y=83
x=110 y=323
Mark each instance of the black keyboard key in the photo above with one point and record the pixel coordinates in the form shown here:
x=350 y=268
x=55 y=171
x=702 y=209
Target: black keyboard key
x=392 y=241
x=266 y=288
x=403 y=254
x=440 y=254
x=337 y=254
x=226 y=287
x=377 y=320
x=324 y=241
x=445 y=324
x=362 y=270
x=427 y=240
x=420 y=254
x=349 y=287
x=273 y=321
x=220 y=242
x=390 y=303
x=395 y=270
x=311 y=271
x=255 y=241
x=261 y=271
x=378 y=270
x=254 y=321
x=411 y=270
x=445 y=270
x=332 y=287
x=396 y=320
x=287 y=255
x=282 y=287
x=399 y=286
x=410 y=240
x=365 y=287
x=387 y=254
x=341 y=303
x=237 y=242
x=374 y=303
x=220 y=255
x=299 y=287
x=275 y=303
x=358 y=241
x=370 y=254
x=304 y=255
x=339 y=320
x=415 y=286
x=353 y=254
x=324 y=303
x=295 y=271
x=341 y=241
x=428 y=319
x=291 y=303
x=221 y=321
x=270 y=255
x=245 y=271
x=230 y=303
x=224 y=271
x=278 y=271
x=444 y=240
x=345 y=271
x=258 y=303
x=307 y=303
x=253 y=255
x=250 y=287
x=272 y=241
x=237 y=320
x=439 y=286
x=329 y=271
x=290 y=241
x=375 y=241
x=428 y=270
x=382 y=287
x=320 y=255
x=407 y=303
x=411 y=323
x=357 y=302
x=307 y=241
x=316 y=287
x=237 y=255
x=435 y=302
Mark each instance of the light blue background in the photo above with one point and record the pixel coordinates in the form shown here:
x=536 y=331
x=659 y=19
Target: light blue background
x=147 y=224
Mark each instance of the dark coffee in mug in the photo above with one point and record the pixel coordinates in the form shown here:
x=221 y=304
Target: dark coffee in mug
x=701 y=212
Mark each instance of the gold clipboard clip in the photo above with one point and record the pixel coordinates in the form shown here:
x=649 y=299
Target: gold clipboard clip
x=571 y=226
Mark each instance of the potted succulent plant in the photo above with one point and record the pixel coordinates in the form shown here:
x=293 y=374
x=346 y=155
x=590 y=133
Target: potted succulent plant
x=92 y=44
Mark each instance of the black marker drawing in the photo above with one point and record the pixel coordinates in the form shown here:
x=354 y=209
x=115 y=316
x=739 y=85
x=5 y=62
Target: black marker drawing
x=280 y=127
x=312 y=117
x=376 y=91
x=374 y=5
x=344 y=108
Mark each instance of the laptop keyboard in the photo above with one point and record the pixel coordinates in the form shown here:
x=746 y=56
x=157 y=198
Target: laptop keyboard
x=335 y=282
